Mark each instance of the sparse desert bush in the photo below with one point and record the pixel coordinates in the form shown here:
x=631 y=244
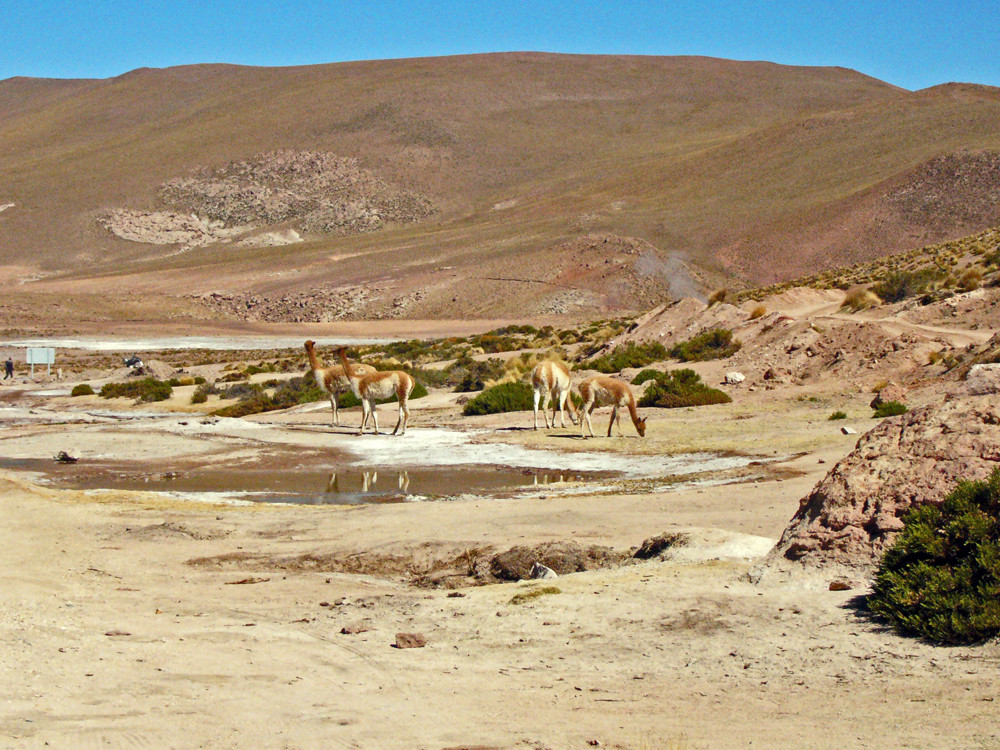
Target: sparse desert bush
x=890 y=409
x=718 y=296
x=860 y=299
x=146 y=390
x=758 y=312
x=501 y=398
x=940 y=579
x=677 y=388
x=971 y=279
x=837 y=415
x=645 y=375
x=535 y=593
x=630 y=355
x=899 y=285
x=83 y=389
x=715 y=344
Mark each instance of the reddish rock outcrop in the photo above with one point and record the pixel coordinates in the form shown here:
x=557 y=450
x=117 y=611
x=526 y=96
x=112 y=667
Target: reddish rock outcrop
x=854 y=513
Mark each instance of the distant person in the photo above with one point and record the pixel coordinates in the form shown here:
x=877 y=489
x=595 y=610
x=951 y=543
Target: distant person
x=8 y=367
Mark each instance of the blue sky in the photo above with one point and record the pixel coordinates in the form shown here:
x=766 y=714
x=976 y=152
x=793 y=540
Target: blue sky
x=911 y=44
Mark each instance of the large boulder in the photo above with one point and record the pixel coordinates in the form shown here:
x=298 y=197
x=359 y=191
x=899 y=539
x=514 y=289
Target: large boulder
x=983 y=380
x=854 y=513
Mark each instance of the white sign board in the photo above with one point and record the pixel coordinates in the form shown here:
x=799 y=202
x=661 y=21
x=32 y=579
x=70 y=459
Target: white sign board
x=42 y=355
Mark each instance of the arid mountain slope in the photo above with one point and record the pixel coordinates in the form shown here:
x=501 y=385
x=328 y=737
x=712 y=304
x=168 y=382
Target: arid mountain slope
x=471 y=185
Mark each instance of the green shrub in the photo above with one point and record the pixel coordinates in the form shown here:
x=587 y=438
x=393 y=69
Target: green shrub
x=83 y=389
x=677 y=388
x=889 y=409
x=940 y=579
x=199 y=397
x=147 y=389
x=474 y=373
x=718 y=296
x=645 y=375
x=501 y=398
x=837 y=415
x=715 y=344
x=899 y=285
x=630 y=355
x=199 y=380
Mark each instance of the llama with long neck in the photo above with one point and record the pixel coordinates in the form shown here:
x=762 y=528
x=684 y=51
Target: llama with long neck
x=332 y=379
x=378 y=385
x=601 y=390
x=550 y=379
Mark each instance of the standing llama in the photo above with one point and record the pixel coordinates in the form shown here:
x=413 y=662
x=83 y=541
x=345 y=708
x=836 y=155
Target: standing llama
x=378 y=385
x=332 y=379
x=550 y=379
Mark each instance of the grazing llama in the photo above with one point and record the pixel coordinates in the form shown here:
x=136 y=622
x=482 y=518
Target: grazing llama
x=332 y=379
x=374 y=386
x=550 y=379
x=601 y=390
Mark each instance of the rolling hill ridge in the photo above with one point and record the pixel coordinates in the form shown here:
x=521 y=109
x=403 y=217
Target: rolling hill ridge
x=478 y=186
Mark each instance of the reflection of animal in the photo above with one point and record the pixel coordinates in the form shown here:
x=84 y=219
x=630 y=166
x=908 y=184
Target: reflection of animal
x=332 y=379
x=550 y=379
x=379 y=385
x=601 y=390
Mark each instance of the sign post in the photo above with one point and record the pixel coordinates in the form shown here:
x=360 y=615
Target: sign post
x=41 y=355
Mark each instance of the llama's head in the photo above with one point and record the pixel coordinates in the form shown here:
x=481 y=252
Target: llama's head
x=309 y=345
x=640 y=426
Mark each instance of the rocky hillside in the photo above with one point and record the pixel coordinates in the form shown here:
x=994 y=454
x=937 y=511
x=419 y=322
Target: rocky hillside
x=445 y=175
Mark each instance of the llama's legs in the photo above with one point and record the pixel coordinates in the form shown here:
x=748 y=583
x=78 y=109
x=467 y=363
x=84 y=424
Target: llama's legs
x=585 y=423
x=374 y=411
x=336 y=412
x=404 y=413
x=364 y=416
x=614 y=415
x=537 y=397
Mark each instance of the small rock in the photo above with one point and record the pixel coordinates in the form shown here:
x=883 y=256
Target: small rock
x=848 y=431
x=541 y=571
x=357 y=627
x=840 y=586
x=455 y=595
x=734 y=378
x=117 y=633
x=410 y=640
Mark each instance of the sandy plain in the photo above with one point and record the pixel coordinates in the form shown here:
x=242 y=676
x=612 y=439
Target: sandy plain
x=148 y=619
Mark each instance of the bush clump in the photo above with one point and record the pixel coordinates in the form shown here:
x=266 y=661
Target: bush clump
x=501 y=398
x=860 y=299
x=889 y=409
x=146 y=390
x=677 y=388
x=837 y=415
x=715 y=344
x=940 y=579
x=899 y=285
x=630 y=355
x=644 y=375
x=83 y=389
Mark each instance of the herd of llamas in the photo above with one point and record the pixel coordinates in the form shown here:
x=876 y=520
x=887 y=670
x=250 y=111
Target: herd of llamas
x=549 y=380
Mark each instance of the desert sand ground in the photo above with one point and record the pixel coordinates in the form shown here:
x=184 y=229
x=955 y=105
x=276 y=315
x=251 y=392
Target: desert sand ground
x=145 y=619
